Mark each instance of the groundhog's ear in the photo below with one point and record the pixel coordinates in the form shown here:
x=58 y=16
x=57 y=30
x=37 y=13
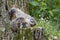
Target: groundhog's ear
x=32 y=22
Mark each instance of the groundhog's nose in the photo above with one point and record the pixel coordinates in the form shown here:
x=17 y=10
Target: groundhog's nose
x=32 y=21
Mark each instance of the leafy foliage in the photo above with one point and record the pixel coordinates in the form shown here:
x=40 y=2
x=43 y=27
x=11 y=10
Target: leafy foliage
x=48 y=14
x=46 y=9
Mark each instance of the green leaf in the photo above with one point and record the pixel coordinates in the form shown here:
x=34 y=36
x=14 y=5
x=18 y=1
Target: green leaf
x=43 y=3
x=51 y=13
x=38 y=0
x=34 y=3
x=56 y=10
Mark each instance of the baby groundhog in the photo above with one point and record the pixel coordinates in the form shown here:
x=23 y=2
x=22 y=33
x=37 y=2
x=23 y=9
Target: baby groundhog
x=16 y=13
x=20 y=19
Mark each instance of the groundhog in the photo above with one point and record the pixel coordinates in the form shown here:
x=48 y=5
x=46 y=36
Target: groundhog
x=16 y=13
x=20 y=19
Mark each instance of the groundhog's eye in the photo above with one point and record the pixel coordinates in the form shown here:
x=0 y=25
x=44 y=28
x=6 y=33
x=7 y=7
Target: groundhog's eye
x=24 y=23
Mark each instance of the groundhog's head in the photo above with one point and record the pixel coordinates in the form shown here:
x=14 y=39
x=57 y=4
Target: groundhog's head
x=24 y=18
x=19 y=23
x=24 y=22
